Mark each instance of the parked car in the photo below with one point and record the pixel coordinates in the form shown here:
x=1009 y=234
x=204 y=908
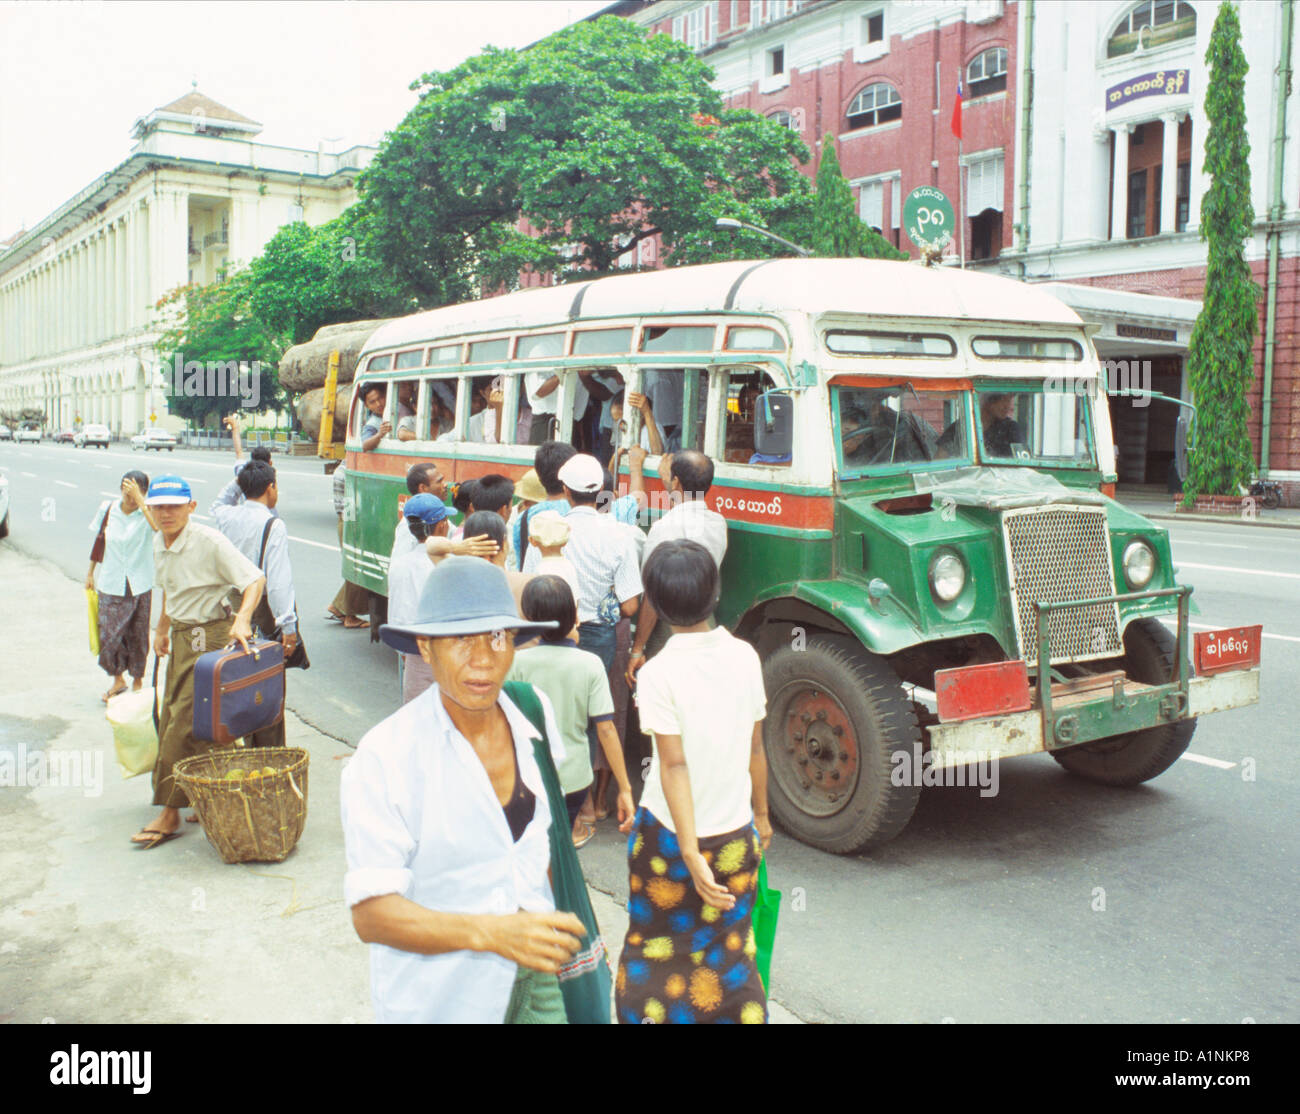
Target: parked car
x=4 y=505
x=65 y=437
x=28 y=433
x=153 y=439
x=6 y=434
x=93 y=435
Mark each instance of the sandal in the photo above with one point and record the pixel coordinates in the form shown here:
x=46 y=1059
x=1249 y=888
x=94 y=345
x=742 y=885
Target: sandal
x=334 y=616
x=588 y=830
x=106 y=697
x=354 y=624
x=157 y=837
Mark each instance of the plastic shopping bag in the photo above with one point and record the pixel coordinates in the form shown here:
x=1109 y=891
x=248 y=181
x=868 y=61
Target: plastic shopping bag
x=767 y=904
x=92 y=606
x=135 y=734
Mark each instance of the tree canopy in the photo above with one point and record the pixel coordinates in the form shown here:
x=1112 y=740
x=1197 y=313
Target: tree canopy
x=1220 y=363
x=566 y=156
x=837 y=228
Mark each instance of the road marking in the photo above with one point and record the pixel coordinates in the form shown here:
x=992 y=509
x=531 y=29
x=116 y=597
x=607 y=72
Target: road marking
x=111 y=494
x=106 y=468
x=29 y=475
x=64 y=483
x=1214 y=545
x=1244 y=572
x=318 y=545
x=1217 y=763
x=1172 y=624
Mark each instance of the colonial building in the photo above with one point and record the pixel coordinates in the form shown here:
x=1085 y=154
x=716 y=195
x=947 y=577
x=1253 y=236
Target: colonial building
x=78 y=291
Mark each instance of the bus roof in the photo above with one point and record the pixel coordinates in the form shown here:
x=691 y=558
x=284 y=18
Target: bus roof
x=881 y=288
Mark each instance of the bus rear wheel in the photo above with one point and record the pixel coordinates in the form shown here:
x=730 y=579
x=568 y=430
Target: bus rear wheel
x=1138 y=756
x=836 y=715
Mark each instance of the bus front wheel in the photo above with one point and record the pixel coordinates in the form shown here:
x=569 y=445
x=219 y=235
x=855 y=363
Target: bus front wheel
x=1149 y=652
x=836 y=715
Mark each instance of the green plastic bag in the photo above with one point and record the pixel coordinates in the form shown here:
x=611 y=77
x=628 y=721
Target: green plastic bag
x=767 y=905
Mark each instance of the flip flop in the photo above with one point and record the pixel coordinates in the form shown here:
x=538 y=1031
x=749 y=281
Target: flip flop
x=354 y=624
x=159 y=837
x=588 y=830
x=334 y=616
x=106 y=697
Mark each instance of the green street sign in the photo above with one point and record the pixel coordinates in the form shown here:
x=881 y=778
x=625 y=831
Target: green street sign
x=928 y=217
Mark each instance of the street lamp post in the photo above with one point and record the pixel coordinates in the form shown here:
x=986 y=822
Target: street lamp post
x=732 y=224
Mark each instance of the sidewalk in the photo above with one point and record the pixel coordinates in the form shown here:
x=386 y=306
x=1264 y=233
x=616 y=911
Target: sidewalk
x=94 y=930
x=1152 y=502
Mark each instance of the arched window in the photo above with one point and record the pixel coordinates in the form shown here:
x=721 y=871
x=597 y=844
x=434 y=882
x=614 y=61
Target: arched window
x=1150 y=24
x=987 y=72
x=876 y=104
x=785 y=119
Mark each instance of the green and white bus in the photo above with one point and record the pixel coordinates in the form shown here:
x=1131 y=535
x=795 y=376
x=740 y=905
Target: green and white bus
x=917 y=469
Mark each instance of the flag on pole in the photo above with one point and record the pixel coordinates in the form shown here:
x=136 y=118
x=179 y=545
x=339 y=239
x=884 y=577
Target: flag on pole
x=956 y=111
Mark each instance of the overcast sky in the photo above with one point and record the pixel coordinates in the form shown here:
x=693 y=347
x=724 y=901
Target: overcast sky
x=74 y=76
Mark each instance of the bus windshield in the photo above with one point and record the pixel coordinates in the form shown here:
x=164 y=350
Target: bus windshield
x=1032 y=424
x=878 y=428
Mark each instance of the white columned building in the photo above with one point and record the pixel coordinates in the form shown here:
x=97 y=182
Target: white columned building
x=195 y=194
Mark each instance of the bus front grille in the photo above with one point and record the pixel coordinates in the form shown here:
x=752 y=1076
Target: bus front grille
x=1062 y=553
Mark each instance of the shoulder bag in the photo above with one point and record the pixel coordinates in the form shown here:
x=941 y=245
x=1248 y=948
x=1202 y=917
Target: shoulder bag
x=97 y=550
x=298 y=659
x=585 y=980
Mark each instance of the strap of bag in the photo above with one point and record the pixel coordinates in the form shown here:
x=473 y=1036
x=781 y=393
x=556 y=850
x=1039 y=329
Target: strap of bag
x=523 y=542
x=97 y=549
x=525 y=699
x=155 y=692
x=266 y=533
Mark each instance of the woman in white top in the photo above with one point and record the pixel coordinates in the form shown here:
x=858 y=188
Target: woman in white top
x=702 y=826
x=125 y=587
x=446 y=821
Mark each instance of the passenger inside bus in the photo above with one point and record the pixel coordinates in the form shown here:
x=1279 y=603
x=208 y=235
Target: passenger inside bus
x=1001 y=431
x=442 y=410
x=406 y=395
x=374 y=396
x=486 y=403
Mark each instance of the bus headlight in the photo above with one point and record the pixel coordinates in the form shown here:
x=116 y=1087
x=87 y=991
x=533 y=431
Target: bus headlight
x=1139 y=563
x=947 y=576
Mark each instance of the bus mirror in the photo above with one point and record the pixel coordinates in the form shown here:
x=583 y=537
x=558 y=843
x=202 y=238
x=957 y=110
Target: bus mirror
x=773 y=424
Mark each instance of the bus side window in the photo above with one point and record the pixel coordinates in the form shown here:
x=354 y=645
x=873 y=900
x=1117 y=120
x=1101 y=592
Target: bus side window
x=678 y=399
x=439 y=417
x=744 y=389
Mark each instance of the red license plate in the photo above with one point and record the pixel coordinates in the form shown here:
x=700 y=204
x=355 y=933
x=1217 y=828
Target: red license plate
x=1217 y=651
x=993 y=689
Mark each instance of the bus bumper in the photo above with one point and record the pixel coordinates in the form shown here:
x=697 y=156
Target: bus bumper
x=958 y=744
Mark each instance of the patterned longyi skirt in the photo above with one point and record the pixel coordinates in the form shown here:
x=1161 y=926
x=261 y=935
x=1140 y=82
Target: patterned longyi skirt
x=683 y=961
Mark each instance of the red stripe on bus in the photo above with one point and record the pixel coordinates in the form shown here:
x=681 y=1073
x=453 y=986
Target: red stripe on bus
x=734 y=502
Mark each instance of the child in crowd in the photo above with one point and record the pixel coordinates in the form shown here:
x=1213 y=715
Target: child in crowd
x=548 y=532
x=694 y=853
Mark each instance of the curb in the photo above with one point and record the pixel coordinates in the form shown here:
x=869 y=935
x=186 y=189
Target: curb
x=1220 y=520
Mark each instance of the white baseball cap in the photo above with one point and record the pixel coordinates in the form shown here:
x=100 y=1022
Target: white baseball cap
x=582 y=473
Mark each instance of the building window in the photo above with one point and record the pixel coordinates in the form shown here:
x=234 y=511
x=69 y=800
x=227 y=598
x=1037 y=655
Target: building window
x=695 y=28
x=776 y=61
x=1137 y=204
x=876 y=104
x=1184 y=193
x=873 y=28
x=1152 y=24
x=987 y=73
x=871 y=205
x=986 y=235
x=985 y=186
x=786 y=119
x=769 y=11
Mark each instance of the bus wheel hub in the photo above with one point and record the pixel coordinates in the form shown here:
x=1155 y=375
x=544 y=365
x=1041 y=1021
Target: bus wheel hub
x=823 y=744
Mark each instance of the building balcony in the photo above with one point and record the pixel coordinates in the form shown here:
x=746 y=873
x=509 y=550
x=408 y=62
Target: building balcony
x=215 y=239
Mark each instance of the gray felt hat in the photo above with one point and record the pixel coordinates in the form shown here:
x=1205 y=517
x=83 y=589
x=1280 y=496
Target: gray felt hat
x=463 y=595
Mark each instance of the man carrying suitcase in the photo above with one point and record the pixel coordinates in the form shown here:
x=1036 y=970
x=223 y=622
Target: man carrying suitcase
x=195 y=568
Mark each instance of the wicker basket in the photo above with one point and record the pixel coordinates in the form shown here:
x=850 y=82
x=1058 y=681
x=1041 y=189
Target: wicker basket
x=254 y=817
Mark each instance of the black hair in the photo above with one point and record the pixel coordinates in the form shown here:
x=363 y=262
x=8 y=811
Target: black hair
x=260 y=452
x=681 y=582
x=548 y=598
x=420 y=530
x=486 y=524
x=694 y=471
x=254 y=478
x=417 y=476
x=493 y=492
x=550 y=457
x=366 y=388
x=581 y=498
x=463 y=499
x=617 y=398
x=141 y=480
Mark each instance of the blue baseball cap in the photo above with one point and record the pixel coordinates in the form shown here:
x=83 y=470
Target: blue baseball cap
x=168 y=489
x=427 y=508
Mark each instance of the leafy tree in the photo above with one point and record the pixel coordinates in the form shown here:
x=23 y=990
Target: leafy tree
x=216 y=324
x=1219 y=358
x=308 y=277
x=566 y=155
x=838 y=231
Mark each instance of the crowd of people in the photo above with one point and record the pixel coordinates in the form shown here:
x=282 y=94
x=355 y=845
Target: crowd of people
x=547 y=583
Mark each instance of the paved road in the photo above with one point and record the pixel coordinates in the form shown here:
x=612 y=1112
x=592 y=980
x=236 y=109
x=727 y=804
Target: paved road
x=57 y=489
x=1053 y=900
